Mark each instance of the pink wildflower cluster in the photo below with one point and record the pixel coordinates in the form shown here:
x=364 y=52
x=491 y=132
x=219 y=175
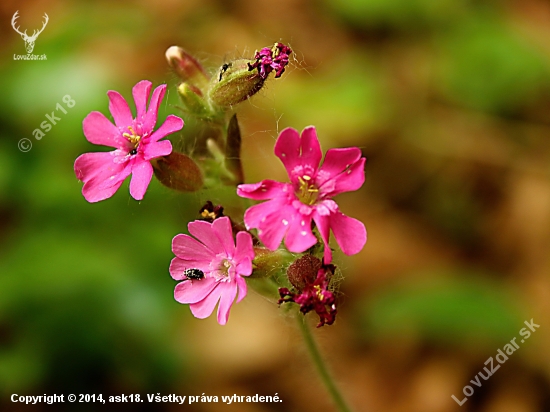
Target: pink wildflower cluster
x=269 y=59
x=212 y=263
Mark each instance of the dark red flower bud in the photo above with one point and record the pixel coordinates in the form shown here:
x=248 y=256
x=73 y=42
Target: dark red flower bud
x=178 y=171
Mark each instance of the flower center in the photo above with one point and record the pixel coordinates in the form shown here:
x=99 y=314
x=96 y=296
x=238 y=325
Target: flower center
x=307 y=192
x=133 y=138
x=224 y=267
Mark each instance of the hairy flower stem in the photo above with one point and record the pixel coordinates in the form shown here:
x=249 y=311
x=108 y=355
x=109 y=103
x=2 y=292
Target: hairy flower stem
x=321 y=366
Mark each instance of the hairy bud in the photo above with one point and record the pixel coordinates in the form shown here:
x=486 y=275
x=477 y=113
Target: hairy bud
x=187 y=67
x=179 y=172
x=191 y=97
x=235 y=84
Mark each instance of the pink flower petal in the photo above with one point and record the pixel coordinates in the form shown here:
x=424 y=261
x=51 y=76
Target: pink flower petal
x=243 y=289
x=171 y=124
x=204 y=308
x=179 y=266
x=228 y=292
x=222 y=228
x=141 y=92
x=120 y=110
x=311 y=149
x=185 y=247
x=152 y=112
x=142 y=173
x=273 y=228
x=193 y=291
x=94 y=192
x=157 y=149
x=299 y=237
x=244 y=267
x=99 y=130
x=266 y=189
x=350 y=233
x=90 y=165
x=101 y=176
x=203 y=231
x=337 y=161
x=256 y=215
x=323 y=225
x=299 y=155
x=244 y=252
x=349 y=180
x=287 y=148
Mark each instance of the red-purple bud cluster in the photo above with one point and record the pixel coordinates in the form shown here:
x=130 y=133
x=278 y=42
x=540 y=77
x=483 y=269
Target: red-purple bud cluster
x=313 y=292
x=268 y=60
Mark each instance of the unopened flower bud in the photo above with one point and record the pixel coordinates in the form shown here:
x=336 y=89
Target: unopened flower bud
x=179 y=172
x=191 y=98
x=235 y=84
x=186 y=67
x=268 y=263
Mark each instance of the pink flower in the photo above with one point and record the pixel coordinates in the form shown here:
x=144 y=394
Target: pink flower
x=134 y=140
x=222 y=264
x=292 y=207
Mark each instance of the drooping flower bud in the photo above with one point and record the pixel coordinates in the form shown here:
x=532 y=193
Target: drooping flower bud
x=187 y=67
x=179 y=172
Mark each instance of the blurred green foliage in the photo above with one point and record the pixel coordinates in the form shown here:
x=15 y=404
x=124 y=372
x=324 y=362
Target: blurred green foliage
x=398 y=14
x=459 y=309
x=487 y=66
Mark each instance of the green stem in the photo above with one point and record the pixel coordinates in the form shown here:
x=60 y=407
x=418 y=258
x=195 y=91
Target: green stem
x=321 y=366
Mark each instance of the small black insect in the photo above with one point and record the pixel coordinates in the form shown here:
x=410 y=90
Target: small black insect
x=224 y=69
x=133 y=151
x=193 y=274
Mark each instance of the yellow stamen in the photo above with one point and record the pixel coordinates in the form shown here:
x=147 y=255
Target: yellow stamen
x=133 y=138
x=206 y=214
x=307 y=192
x=319 y=292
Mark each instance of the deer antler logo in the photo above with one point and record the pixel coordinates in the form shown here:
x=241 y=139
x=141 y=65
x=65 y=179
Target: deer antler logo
x=29 y=40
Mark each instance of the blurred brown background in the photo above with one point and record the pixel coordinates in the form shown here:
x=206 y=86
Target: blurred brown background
x=449 y=101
